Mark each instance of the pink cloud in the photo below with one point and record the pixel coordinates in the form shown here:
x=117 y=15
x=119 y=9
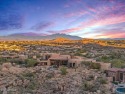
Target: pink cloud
x=105 y=21
x=70 y=30
x=99 y=16
x=111 y=35
x=96 y=22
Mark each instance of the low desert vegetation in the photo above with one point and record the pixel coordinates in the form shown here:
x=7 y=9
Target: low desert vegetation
x=63 y=70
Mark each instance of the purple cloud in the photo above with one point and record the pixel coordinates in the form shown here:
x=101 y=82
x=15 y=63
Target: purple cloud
x=42 y=25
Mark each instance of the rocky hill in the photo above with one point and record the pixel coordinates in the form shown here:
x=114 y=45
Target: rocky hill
x=42 y=80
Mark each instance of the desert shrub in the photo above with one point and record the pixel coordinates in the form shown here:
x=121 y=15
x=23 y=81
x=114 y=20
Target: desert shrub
x=87 y=64
x=95 y=66
x=31 y=86
x=90 y=77
x=78 y=54
x=30 y=62
x=102 y=81
x=116 y=83
x=50 y=75
x=63 y=71
x=17 y=61
x=91 y=65
x=118 y=63
x=2 y=60
x=29 y=74
x=116 y=59
x=87 y=86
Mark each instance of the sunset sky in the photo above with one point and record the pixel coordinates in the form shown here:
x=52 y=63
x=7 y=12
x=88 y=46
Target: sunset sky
x=84 y=18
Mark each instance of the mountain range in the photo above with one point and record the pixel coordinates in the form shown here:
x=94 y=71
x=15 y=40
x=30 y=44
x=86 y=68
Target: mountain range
x=35 y=36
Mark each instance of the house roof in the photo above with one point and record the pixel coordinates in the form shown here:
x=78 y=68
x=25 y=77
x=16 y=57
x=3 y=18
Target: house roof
x=75 y=60
x=59 y=57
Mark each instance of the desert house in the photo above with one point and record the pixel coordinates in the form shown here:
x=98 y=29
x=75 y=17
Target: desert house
x=59 y=60
x=117 y=74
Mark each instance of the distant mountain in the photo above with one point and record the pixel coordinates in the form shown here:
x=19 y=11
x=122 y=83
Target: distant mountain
x=34 y=36
x=24 y=34
x=112 y=38
x=54 y=36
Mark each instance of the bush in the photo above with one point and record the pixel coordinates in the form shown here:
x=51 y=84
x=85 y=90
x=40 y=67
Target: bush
x=2 y=60
x=63 y=71
x=102 y=81
x=91 y=65
x=17 y=61
x=49 y=75
x=95 y=66
x=116 y=83
x=78 y=54
x=29 y=74
x=116 y=59
x=87 y=64
x=87 y=86
x=118 y=63
x=90 y=77
x=31 y=62
x=31 y=86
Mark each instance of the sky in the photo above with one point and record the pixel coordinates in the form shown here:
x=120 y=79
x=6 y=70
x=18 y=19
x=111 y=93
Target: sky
x=84 y=18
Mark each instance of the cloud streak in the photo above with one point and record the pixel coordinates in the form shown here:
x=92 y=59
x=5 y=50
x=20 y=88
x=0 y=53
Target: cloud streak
x=101 y=16
x=42 y=25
